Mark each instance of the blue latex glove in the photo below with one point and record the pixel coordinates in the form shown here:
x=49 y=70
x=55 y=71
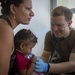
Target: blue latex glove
x=40 y=66
x=31 y=54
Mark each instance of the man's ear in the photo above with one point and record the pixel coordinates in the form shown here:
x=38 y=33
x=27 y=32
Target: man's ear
x=12 y=8
x=69 y=22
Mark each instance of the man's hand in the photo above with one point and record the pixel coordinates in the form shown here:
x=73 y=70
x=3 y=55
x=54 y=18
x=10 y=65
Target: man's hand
x=40 y=66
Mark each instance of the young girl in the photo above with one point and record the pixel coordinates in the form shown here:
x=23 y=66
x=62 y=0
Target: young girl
x=24 y=41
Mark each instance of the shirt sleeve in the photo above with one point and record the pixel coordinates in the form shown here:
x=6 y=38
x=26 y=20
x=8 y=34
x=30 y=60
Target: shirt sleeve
x=48 y=42
x=73 y=49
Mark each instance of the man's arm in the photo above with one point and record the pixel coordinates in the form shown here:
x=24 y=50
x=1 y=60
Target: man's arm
x=64 y=67
x=45 y=56
x=47 y=47
x=56 y=68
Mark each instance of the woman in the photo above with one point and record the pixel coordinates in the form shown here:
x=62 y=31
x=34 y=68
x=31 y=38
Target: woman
x=13 y=12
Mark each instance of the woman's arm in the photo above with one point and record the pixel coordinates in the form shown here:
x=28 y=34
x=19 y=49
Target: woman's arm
x=6 y=44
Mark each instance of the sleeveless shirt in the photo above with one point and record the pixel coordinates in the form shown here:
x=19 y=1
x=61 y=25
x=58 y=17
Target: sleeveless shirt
x=12 y=59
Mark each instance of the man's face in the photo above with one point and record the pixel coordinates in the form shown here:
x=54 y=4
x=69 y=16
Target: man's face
x=60 y=27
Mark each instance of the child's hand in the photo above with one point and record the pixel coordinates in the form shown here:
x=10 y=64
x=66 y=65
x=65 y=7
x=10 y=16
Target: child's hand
x=33 y=59
x=31 y=54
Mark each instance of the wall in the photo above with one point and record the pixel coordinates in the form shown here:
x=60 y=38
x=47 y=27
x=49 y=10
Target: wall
x=70 y=4
x=39 y=24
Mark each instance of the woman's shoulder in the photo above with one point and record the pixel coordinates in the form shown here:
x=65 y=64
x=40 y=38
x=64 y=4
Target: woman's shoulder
x=4 y=26
x=6 y=32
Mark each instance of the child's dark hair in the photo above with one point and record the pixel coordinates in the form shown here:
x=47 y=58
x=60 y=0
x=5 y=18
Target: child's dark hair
x=5 y=4
x=24 y=35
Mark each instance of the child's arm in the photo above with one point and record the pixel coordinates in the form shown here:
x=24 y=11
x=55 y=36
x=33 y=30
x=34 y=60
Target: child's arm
x=22 y=72
x=30 y=70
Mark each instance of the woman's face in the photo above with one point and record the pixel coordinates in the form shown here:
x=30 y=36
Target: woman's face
x=24 y=12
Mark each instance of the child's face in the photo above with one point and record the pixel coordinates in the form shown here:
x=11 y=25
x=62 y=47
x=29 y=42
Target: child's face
x=27 y=49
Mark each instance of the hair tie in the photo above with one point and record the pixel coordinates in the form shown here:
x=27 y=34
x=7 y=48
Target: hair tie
x=28 y=31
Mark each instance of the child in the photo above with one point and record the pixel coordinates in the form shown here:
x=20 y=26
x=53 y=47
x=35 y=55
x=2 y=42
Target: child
x=24 y=41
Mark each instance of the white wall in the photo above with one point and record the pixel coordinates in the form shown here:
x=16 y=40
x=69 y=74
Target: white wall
x=70 y=4
x=67 y=3
x=39 y=24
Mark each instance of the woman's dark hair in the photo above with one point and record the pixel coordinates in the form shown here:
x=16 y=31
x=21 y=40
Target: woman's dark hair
x=5 y=4
x=25 y=36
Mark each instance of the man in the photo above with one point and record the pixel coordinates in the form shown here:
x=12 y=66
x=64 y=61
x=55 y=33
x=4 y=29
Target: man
x=60 y=40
